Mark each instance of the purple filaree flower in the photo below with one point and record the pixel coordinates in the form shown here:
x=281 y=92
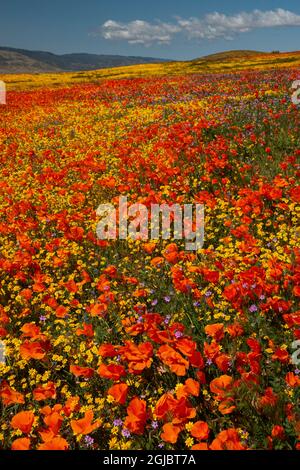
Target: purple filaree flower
x=125 y=433
x=155 y=301
x=161 y=446
x=89 y=441
x=262 y=297
x=209 y=362
x=208 y=293
x=167 y=299
x=118 y=422
x=178 y=334
x=297 y=371
x=167 y=319
x=154 y=424
x=253 y=308
x=43 y=318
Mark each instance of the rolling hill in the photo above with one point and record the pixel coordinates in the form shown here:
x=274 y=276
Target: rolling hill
x=24 y=61
x=235 y=54
x=225 y=62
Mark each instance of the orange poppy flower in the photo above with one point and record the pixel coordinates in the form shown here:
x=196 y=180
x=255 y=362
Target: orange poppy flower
x=186 y=346
x=173 y=359
x=84 y=425
x=47 y=434
x=32 y=350
x=171 y=253
x=54 y=421
x=23 y=421
x=138 y=356
x=10 y=396
x=223 y=362
x=112 y=371
x=76 y=233
x=226 y=406
x=200 y=446
x=44 y=391
x=182 y=411
x=170 y=433
x=230 y=292
x=119 y=392
x=296 y=291
x=221 y=385
x=235 y=330
x=136 y=416
x=149 y=247
x=278 y=432
x=292 y=319
x=71 y=286
x=158 y=261
x=269 y=398
x=164 y=405
x=211 y=350
x=57 y=443
x=281 y=355
x=191 y=387
x=61 y=311
x=26 y=293
x=111 y=271
x=107 y=350
x=292 y=380
x=23 y=443
x=196 y=360
x=47 y=410
x=38 y=287
x=216 y=331
x=98 y=309
x=87 y=330
x=31 y=330
x=200 y=430
x=85 y=372
x=227 y=440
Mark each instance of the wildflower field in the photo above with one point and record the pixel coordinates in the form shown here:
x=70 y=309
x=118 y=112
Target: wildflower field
x=126 y=344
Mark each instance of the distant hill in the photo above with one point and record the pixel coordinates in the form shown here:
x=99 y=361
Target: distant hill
x=23 y=61
x=221 y=56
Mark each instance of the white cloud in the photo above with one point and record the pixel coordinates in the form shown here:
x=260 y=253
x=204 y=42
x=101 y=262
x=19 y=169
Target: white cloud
x=211 y=26
x=140 y=32
x=217 y=25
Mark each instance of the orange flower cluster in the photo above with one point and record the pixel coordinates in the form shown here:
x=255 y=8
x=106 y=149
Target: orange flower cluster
x=134 y=344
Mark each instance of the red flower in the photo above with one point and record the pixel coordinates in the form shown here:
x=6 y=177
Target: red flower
x=173 y=359
x=85 y=372
x=200 y=430
x=119 y=392
x=170 y=433
x=136 y=416
x=112 y=371
x=44 y=391
x=85 y=426
x=23 y=421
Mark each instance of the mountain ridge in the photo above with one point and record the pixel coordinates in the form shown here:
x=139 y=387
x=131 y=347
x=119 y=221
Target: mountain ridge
x=17 y=60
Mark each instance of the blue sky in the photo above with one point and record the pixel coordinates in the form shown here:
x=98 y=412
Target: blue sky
x=172 y=29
